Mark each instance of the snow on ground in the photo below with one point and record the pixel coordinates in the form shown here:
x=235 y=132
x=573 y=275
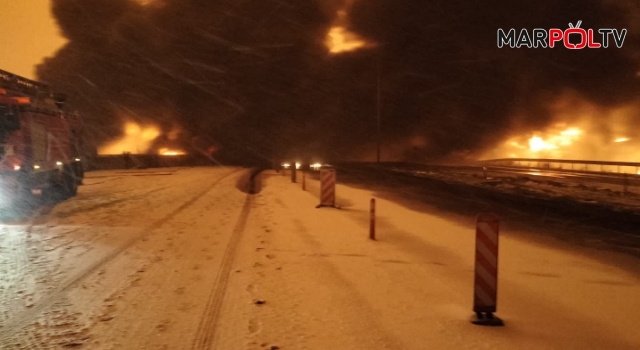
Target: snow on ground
x=182 y=259
x=121 y=266
x=327 y=287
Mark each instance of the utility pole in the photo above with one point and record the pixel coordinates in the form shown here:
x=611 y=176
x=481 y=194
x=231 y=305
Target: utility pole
x=378 y=112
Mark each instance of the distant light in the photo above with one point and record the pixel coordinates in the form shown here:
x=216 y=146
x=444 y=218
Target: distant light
x=621 y=139
x=16 y=167
x=36 y=167
x=286 y=165
x=298 y=165
x=77 y=159
x=316 y=166
x=58 y=163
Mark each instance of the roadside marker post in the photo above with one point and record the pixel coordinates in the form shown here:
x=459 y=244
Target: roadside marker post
x=304 y=181
x=372 y=220
x=327 y=187
x=293 y=173
x=485 y=295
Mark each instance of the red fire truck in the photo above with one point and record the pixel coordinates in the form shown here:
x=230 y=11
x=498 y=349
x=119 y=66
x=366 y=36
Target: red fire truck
x=40 y=142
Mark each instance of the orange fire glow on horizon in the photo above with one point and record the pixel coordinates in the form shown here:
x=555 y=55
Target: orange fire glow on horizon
x=138 y=139
x=580 y=130
x=170 y=152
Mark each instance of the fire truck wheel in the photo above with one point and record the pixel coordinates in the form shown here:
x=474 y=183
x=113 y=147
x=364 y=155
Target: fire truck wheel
x=65 y=187
x=19 y=198
x=79 y=173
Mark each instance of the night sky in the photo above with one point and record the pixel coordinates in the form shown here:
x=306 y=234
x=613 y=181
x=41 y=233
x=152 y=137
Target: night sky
x=256 y=78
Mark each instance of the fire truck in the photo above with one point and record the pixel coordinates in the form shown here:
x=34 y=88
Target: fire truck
x=40 y=142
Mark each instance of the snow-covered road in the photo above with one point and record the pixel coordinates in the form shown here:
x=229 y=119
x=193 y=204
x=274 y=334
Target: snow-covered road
x=182 y=259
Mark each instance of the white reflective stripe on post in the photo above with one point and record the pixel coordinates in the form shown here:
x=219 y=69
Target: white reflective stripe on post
x=486 y=264
x=328 y=187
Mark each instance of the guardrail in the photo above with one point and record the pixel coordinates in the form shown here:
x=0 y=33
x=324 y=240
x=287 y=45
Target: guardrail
x=567 y=165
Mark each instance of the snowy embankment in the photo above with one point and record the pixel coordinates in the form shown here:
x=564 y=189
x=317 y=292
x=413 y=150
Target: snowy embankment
x=581 y=200
x=326 y=286
x=540 y=185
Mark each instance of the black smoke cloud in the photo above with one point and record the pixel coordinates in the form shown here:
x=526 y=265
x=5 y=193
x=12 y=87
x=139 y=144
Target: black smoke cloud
x=254 y=77
x=234 y=74
x=442 y=66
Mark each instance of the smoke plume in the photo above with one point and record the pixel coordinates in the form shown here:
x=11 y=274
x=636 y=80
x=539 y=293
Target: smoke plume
x=254 y=78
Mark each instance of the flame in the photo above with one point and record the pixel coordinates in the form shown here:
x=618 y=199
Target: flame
x=537 y=144
x=579 y=129
x=137 y=139
x=553 y=142
x=564 y=138
x=170 y=152
x=517 y=144
x=340 y=39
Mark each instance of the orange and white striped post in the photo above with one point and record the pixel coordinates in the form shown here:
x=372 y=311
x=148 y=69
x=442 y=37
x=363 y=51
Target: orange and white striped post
x=372 y=220
x=485 y=296
x=327 y=187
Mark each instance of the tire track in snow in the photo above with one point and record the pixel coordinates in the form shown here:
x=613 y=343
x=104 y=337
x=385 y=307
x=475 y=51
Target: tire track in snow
x=205 y=337
x=19 y=321
x=14 y=260
x=21 y=254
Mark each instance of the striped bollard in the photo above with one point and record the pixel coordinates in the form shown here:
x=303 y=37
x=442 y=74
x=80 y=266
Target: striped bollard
x=372 y=220
x=485 y=296
x=327 y=187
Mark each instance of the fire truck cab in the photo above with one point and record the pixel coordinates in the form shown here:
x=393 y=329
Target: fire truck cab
x=40 y=142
